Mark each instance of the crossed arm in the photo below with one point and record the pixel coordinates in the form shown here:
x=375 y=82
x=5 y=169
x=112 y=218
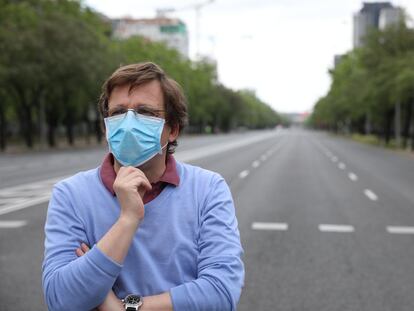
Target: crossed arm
x=160 y=302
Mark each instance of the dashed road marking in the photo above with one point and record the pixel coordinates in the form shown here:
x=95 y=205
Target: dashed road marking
x=244 y=174
x=263 y=157
x=275 y=226
x=23 y=196
x=336 y=228
x=353 y=176
x=256 y=164
x=334 y=159
x=341 y=166
x=400 y=230
x=371 y=195
x=13 y=223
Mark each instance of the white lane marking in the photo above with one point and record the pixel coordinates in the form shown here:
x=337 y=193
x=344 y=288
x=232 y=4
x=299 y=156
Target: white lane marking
x=336 y=228
x=371 y=195
x=270 y=226
x=352 y=176
x=334 y=159
x=341 y=166
x=244 y=174
x=23 y=196
x=328 y=154
x=256 y=164
x=400 y=230
x=203 y=152
x=263 y=157
x=28 y=203
x=12 y=223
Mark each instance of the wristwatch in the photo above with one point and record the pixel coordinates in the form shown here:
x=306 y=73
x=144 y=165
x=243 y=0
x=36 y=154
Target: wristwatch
x=132 y=302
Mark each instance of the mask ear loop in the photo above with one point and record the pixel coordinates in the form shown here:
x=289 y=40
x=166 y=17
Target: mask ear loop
x=162 y=148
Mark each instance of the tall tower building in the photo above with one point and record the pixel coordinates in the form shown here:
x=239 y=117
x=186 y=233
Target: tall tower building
x=390 y=16
x=368 y=17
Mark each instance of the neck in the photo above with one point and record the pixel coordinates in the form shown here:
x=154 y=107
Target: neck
x=153 y=169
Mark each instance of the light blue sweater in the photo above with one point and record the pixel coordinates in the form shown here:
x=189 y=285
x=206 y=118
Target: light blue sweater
x=187 y=244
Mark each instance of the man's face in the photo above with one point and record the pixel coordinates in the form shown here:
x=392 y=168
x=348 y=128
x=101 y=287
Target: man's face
x=146 y=99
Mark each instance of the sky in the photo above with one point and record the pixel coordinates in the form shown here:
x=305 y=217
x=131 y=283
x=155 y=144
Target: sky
x=281 y=49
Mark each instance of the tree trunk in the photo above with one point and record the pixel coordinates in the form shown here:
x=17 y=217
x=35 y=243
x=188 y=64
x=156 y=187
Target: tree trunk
x=389 y=114
x=27 y=127
x=88 y=131
x=412 y=134
x=397 y=124
x=51 y=140
x=407 y=123
x=24 y=112
x=367 y=124
x=69 y=130
x=3 y=129
x=98 y=130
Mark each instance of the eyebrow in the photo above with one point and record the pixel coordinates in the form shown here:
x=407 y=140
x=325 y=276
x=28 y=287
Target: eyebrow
x=139 y=107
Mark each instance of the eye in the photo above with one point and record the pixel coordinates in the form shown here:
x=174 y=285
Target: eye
x=117 y=112
x=147 y=112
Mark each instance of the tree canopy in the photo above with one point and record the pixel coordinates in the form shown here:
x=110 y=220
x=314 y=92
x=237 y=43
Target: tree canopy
x=372 y=88
x=55 y=56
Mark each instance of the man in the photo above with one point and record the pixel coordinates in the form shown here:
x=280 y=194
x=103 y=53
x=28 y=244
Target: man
x=162 y=231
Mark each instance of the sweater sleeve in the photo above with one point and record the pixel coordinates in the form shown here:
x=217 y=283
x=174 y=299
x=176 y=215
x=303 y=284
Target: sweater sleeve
x=220 y=268
x=71 y=282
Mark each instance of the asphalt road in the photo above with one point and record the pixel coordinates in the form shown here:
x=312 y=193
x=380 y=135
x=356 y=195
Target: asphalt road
x=326 y=223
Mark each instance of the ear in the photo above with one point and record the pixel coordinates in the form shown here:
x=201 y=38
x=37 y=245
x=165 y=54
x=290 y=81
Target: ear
x=175 y=131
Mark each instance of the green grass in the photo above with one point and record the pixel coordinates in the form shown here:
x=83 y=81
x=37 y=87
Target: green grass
x=374 y=140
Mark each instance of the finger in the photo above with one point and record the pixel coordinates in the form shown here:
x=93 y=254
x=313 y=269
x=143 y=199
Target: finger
x=127 y=170
x=84 y=247
x=147 y=185
x=140 y=183
x=132 y=176
x=79 y=252
x=132 y=171
x=138 y=179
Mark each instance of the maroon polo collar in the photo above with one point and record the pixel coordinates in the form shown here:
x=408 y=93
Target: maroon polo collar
x=170 y=176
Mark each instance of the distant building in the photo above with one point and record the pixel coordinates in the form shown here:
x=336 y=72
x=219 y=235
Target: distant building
x=390 y=16
x=337 y=59
x=171 y=31
x=296 y=118
x=376 y=15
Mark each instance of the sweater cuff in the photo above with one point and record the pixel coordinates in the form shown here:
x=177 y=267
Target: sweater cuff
x=179 y=296
x=104 y=262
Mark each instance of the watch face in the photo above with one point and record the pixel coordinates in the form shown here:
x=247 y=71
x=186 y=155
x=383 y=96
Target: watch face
x=132 y=299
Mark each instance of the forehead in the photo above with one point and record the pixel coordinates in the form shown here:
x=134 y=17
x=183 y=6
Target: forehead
x=149 y=94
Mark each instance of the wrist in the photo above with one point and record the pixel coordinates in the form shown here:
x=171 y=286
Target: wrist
x=128 y=221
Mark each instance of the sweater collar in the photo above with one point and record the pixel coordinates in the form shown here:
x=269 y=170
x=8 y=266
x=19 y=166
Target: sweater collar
x=108 y=174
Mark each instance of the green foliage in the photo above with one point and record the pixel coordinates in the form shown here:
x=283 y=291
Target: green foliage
x=55 y=55
x=368 y=83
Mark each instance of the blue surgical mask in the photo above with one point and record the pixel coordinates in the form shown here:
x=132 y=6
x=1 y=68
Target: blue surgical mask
x=134 y=138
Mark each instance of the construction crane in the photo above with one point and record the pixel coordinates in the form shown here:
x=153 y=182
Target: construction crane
x=197 y=7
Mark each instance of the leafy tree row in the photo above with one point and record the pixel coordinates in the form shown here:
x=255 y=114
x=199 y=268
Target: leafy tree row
x=55 y=55
x=372 y=90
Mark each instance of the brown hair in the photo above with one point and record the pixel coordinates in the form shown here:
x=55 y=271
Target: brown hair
x=135 y=75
